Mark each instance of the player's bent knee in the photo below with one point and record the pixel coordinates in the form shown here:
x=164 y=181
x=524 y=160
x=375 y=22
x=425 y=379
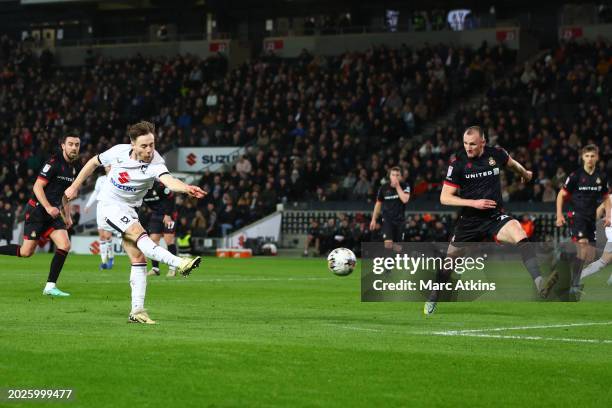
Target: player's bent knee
x=134 y=232
x=138 y=259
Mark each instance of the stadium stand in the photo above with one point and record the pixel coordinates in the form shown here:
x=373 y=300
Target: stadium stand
x=317 y=128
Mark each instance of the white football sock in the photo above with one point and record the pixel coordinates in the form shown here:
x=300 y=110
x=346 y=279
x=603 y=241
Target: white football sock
x=592 y=268
x=598 y=265
x=138 y=282
x=103 y=251
x=155 y=252
x=539 y=281
x=109 y=249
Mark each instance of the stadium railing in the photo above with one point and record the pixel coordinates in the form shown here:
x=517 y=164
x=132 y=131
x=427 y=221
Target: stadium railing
x=296 y=221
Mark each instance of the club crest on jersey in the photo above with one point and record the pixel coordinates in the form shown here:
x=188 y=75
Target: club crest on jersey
x=492 y=161
x=124 y=177
x=598 y=181
x=144 y=168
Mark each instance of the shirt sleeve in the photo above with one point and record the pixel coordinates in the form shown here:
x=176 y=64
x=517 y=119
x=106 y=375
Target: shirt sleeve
x=571 y=183
x=109 y=155
x=606 y=186
x=49 y=170
x=158 y=170
x=380 y=197
x=502 y=155
x=405 y=187
x=453 y=175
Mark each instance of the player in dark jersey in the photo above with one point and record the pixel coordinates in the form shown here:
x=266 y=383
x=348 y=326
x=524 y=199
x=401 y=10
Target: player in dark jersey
x=473 y=183
x=47 y=214
x=391 y=201
x=586 y=189
x=161 y=221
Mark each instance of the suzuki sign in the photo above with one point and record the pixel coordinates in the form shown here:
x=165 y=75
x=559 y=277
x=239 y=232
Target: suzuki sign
x=196 y=159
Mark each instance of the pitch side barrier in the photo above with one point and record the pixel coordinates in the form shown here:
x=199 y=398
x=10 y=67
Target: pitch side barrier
x=298 y=221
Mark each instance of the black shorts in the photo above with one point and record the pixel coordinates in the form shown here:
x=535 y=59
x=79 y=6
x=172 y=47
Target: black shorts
x=582 y=227
x=39 y=224
x=156 y=225
x=392 y=231
x=479 y=229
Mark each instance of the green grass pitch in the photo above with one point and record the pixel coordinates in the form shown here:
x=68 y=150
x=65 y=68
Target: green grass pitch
x=282 y=332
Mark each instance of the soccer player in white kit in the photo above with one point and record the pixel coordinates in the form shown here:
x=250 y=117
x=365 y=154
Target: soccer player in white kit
x=105 y=232
x=134 y=167
x=606 y=256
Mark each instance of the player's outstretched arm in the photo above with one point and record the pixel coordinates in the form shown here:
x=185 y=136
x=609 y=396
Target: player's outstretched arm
x=519 y=170
x=178 y=186
x=448 y=196
x=561 y=197
x=73 y=191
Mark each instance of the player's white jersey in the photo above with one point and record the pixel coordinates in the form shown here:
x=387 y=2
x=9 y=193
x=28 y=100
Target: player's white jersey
x=128 y=179
x=94 y=195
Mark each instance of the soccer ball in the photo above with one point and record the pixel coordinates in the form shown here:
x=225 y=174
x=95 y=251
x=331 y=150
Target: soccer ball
x=341 y=261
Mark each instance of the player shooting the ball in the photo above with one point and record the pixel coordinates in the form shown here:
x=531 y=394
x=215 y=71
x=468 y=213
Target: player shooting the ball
x=134 y=168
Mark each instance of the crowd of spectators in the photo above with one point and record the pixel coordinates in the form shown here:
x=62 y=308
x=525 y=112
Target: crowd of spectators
x=541 y=113
x=316 y=128
x=304 y=119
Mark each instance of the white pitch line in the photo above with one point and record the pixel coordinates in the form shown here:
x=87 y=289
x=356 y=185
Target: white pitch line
x=500 y=336
x=497 y=329
x=354 y=328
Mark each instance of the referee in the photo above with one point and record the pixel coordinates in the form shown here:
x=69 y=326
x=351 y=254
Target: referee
x=391 y=201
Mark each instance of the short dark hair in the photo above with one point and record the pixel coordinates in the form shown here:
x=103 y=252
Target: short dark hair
x=590 y=148
x=72 y=133
x=475 y=129
x=140 y=129
x=394 y=168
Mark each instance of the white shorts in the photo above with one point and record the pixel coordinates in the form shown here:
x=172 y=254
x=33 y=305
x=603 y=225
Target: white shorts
x=115 y=217
x=102 y=225
x=609 y=233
